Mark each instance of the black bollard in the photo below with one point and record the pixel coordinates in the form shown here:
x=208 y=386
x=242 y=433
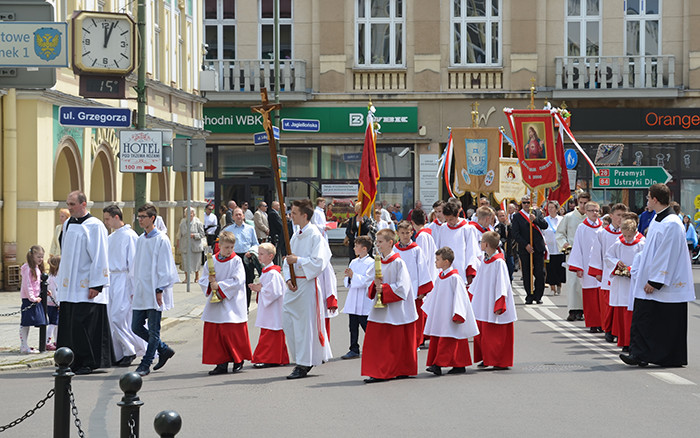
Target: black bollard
x=167 y=424
x=44 y=292
x=130 y=384
x=62 y=377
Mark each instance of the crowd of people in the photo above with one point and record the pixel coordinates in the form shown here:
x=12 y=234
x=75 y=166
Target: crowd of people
x=439 y=278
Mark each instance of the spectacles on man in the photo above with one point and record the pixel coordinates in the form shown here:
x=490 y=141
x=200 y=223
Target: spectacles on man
x=141 y=216
x=525 y=202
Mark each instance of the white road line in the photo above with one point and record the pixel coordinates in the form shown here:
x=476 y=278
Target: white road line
x=671 y=378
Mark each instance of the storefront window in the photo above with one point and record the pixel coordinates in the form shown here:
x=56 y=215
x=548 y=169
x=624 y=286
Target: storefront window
x=300 y=190
x=396 y=192
x=302 y=162
x=243 y=161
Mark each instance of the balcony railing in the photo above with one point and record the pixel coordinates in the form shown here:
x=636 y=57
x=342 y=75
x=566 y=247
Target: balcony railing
x=476 y=79
x=615 y=72
x=250 y=75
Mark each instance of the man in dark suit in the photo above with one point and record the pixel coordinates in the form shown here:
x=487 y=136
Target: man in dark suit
x=276 y=232
x=521 y=224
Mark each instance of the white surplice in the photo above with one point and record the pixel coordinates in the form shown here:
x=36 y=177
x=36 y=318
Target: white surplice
x=357 y=302
x=586 y=234
x=230 y=276
x=621 y=251
x=398 y=282
x=319 y=219
x=492 y=283
x=303 y=310
x=121 y=247
x=463 y=241
x=270 y=298
x=413 y=257
x=154 y=268
x=566 y=230
x=435 y=227
x=84 y=262
x=328 y=283
x=424 y=239
x=605 y=238
x=449 y=298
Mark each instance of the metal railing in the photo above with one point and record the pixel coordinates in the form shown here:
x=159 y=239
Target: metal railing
x=250 y=75
x=615 y=72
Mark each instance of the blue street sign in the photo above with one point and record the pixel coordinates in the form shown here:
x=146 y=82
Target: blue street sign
x=95 y=116
x=571 y=158
x=261 y=137
x=302 y=125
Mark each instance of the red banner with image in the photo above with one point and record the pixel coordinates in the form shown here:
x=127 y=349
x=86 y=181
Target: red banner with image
x=535 y=144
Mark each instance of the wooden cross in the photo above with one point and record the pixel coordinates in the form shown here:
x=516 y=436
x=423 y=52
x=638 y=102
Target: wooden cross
x=264 y=110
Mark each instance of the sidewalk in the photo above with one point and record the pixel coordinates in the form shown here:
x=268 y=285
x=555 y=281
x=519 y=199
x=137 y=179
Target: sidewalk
x=188 y=306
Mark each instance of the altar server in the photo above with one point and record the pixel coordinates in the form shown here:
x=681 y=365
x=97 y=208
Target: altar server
x=436 y=225
x=389 y=350
x=424 y=239
x=579 y=260
x=618 y=263
x=493 y=306
x=357 y=304
x=662 y=286
x=458 y=235
x=154 y=276
x=226 y=320
x=450 y=319
x=121 y=246
x=303 y=310
x=484 y=218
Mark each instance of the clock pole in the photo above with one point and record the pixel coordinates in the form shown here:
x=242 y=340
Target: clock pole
x=140 y=178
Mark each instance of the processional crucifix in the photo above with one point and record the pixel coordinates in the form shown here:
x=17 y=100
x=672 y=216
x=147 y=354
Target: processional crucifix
x=264 y=110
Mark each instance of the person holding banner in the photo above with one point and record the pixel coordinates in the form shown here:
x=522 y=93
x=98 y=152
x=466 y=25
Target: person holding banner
x=527 y=228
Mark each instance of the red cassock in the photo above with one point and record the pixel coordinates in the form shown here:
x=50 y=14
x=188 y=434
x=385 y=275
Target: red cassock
x=579 y=260
x=271 y=348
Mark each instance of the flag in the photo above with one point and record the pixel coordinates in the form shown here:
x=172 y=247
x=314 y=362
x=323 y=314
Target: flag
x=447 y=164
x=369 y=171
x=562 y=192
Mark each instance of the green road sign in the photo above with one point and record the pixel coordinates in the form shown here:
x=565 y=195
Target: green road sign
x=282 y=163
x=632 y=177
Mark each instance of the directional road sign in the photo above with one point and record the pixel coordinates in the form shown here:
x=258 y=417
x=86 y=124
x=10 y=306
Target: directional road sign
x=632 y=177
x=95 y=116
x=140 y=151
x=301 y=125
x=261 y=137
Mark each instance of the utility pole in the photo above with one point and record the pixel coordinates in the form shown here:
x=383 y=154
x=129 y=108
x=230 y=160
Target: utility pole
x=140 y=178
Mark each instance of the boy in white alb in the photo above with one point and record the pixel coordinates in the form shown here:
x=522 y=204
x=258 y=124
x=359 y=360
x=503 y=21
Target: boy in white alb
x=606 y=237
x=357 y=304
x=225 y=336
x=389 y=350
x=154 y=276
x=450 y=322
x=272 y=348
x=618 y=264
x=494 y=307
x=424 y=239
x=579 y=259
x=421 y=280
x=458 y=235
x=484 y=219
x=438 y=223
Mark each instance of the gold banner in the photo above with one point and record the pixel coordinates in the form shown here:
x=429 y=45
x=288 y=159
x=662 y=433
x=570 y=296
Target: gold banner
x=511 y=181
x=476 y=159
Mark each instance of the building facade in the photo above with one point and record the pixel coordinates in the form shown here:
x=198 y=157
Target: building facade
x=43 y=161
x=423 y=64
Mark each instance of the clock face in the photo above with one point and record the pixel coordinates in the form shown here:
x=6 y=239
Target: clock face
x=106 y=43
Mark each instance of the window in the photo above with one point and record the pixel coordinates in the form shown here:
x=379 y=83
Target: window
x=267 y=29
x=220 y=29
x=583 y=29
x=643 y=25
x=157 y=41
x=379 y=33
x=475 y=32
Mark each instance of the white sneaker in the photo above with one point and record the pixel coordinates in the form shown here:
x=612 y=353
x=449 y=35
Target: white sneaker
x=29 y=351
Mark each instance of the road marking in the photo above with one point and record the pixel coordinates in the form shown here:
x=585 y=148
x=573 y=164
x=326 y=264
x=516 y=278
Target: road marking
x=671 y=378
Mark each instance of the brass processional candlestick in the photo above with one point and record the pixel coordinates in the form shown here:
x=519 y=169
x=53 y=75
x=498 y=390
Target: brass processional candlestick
x=379 y=304
x=210 y=264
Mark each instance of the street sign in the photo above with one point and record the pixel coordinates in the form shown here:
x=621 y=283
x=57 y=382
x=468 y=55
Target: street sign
x=260 y=138
x=33 y=44
x=352 y=157
x=198 y=154
x=301 y=125
x=95 y=116
x=571 y=158
x=282 y=164
x=140 y=151
x=632 y=177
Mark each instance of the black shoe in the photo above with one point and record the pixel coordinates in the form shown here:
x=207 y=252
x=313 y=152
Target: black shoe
x=237 y=366
x=265 y=365
x=632 y=360
x=221 y=368
x=299 y=372
x=572 y=316
x=435 y=370
x=481 y=364
x=501 y=368
x=539 y=301
x=163 y=357
x=83 y=371
x=457 y=370
x=350 y=355
x=143 y=370
x=579 y=315
x=609 y=337
x=528 y=302
x=626 y=349
x=126 y=361
x=374 y=380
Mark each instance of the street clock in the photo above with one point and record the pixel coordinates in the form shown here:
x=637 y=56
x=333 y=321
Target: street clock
x=104 y=43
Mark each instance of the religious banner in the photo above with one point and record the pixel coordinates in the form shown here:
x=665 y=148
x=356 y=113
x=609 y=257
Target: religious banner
x=533 y=133
x=476 y=153
x=511 y=185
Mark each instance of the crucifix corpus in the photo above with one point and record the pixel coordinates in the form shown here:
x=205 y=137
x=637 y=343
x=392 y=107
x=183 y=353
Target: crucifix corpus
x=264 y=110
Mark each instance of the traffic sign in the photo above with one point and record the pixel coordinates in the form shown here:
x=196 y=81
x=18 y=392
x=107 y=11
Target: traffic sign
x=261 y=137
x=632 y=177
x=198 y=154
x=33 y=44
x=571 y=158
x=140 y=151
x=282 y=165
x=301 y=125
x=95 y=116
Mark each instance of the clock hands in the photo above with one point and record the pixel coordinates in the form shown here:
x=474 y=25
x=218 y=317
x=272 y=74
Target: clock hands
x=108 y=32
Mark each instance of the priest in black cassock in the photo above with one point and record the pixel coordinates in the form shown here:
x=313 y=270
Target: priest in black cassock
x=662 y=286
x=520 y=224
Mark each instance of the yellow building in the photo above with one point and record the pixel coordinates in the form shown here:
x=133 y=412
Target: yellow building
x=43 y=161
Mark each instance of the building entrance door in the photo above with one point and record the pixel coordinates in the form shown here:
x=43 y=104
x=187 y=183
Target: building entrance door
x=252 y=191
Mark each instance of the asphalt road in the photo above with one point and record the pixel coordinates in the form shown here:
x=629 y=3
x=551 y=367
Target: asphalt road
x=565 y=382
